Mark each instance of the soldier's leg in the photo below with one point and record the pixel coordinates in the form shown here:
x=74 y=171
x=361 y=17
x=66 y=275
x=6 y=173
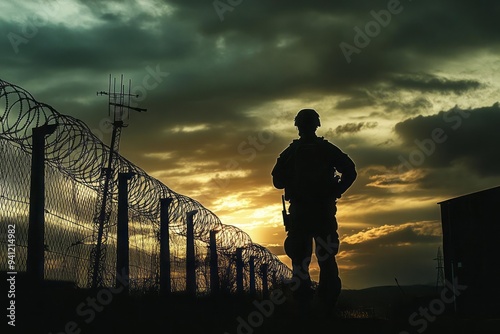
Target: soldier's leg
x=330 y=284
x=327 y=247
x=298 y=246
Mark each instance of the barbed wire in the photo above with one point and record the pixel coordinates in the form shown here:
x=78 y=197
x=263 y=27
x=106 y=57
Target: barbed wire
x=78 y=154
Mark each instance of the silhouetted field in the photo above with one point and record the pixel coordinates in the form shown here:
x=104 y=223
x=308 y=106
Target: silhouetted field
x=64 y=309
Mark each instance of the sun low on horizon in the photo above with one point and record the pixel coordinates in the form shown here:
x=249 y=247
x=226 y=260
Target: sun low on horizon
x=389 y=226
x=414 y=105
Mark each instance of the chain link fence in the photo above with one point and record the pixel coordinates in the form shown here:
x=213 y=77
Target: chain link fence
x=74 y=162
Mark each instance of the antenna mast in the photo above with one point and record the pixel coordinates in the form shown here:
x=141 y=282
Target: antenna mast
x=118 y=109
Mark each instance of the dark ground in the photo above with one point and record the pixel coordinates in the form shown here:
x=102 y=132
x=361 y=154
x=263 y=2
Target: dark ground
x=63 y=309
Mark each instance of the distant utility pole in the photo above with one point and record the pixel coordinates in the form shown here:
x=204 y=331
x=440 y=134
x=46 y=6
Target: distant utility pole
x=399 y=286
x=440 y=269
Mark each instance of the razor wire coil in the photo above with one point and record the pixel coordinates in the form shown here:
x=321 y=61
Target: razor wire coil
x=76 y=155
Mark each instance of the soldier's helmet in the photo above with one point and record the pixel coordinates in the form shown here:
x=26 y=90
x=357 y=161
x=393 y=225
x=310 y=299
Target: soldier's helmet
x=307 y=118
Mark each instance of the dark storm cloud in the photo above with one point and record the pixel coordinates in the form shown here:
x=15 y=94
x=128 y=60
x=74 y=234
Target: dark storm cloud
x=427 y=83
x=415 y=106
x=386 y=93
x=356 y=102
x=354 y=127
x=432 y=28
x=458 y=136
x=447 y=183
x=106 y=46
x=248 y=69
x=214 y=87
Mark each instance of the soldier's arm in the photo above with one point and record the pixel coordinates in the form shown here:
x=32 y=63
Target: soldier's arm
x=279 y=172
x=349 y=174
x=346 y=167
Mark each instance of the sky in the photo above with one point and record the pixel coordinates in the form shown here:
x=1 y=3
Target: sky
x=407 y=89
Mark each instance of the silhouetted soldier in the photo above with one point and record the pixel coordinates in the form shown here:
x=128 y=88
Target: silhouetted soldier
x=314 y=174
